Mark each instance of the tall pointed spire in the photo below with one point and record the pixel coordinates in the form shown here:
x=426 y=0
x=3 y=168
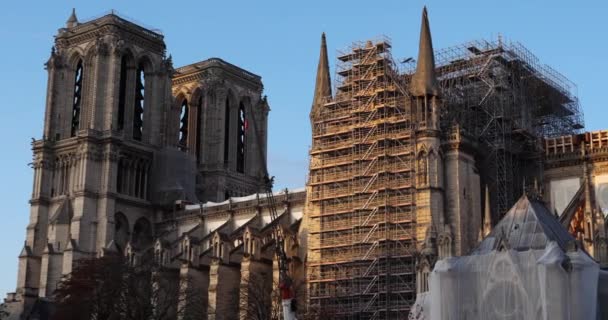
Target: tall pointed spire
x=323 y=82
x=424 y=81
x=72 y=20
x=487 y=216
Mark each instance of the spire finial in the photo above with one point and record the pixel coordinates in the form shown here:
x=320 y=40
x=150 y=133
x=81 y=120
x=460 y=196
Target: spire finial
x=72 y=20
x=424 y=81
x=323 y=81
x=487 y=217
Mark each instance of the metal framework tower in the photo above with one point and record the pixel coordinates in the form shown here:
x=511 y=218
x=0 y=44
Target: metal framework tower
x=361 y=183
x=507 y=100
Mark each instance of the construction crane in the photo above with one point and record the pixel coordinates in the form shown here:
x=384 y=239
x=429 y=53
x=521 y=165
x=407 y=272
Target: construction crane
x=285 y=281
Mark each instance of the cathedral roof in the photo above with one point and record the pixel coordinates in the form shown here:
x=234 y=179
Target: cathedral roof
x=527 y=225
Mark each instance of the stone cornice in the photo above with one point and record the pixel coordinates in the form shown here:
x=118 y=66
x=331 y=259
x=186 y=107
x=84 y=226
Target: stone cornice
x=216 y=68
x=426 y=133
x=111 y=24
x=92 y=144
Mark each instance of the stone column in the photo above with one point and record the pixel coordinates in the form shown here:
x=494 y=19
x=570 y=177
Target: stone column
x=194 y=291
x=256 y=287
x=224 y=283
x=51 y=271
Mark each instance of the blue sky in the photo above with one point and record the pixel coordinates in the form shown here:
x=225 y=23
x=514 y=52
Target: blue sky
x=278 y=40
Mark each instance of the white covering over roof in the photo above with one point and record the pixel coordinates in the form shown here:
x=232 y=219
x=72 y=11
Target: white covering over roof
x=522 y=270
x=250 y=197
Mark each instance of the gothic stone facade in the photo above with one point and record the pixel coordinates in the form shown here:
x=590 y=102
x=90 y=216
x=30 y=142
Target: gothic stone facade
x=125 y=135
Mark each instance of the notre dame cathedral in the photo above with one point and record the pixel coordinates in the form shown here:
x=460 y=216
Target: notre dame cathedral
x=406 y=167
x=125 y=135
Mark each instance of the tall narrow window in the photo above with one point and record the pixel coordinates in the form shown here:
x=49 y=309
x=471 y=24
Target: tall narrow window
x=197 y=139
x=119 y=176
x=183 y=126
x=226 y=131
x=138 y=114
x=240 y=143
x=76 y=103
x=423 y=169
x=122 y=92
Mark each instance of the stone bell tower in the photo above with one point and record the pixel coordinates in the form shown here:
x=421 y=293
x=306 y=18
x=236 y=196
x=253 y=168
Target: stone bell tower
x=108 y=84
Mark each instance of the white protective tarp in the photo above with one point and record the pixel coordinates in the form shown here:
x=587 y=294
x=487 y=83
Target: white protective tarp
x=513 y=285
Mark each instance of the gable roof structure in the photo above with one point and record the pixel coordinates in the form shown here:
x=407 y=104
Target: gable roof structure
x=529 y=224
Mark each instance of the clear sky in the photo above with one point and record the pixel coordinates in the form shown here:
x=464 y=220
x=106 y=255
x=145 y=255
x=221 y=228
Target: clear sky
x=278 y=40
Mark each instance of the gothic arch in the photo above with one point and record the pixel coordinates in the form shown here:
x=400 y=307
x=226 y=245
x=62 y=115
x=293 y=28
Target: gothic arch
x=141 y=237
x=216 y=245
x=180 y=113
x=423 y=149
x=122 y=47
x=128 y=53
x=423 y=270
x=147 y=63
x=505 y=283
x=121 y=231
x=197 y=94
x=74 y=56
x=90 y=52
x=231 y=97
x=422 y=167
x=444 y=244
x=125 y=85
x=159 y=252
x=183 y=94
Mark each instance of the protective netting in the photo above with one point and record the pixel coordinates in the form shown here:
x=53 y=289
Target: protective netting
x=174 y=176
x=509 y=284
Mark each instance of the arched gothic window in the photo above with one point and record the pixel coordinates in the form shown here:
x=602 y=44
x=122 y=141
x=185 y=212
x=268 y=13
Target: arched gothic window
x=183 y=125
x=422 y=169
x=138 y=114
x=122 y=93
x=240 y=143
x=433 y=173
x=121 y=231
x=422 y=278
x=142 y=234
x=77 y=101
x=227 y=131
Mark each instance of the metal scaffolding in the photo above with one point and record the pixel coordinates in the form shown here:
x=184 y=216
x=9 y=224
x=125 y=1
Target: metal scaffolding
x=361 y=196
x=502 y=96
x=361 y=191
